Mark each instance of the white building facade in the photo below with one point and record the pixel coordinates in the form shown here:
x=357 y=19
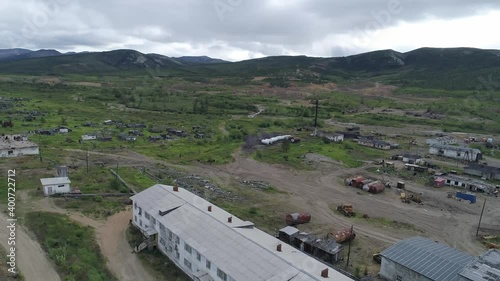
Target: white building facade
x=209 y=244
x=16 y=145
x=55 y=185
x=456 y=152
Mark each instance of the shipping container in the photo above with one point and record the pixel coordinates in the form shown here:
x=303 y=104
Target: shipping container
x=466 y=196
x=296 y=218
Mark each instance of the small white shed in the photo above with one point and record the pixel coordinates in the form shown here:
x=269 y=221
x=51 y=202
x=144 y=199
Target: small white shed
x=55 y=185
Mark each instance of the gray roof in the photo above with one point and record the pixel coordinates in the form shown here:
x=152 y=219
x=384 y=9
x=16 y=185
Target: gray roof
x=483 y=168
x=244 y=253
x=484 y=268
x=456 y=148
x=53 y=181
x=289 y=230
x=433 y=260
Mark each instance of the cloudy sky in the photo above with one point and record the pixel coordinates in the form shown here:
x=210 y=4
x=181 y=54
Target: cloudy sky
x=243 y=29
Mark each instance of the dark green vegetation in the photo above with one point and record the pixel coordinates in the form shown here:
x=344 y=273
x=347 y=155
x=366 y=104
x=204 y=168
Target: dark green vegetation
x=163 y=268
x=70 y=246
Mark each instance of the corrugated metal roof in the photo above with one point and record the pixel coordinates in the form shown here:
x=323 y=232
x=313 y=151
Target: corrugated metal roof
x=433 y=260
x=484 y=268
x=53 y=181
x=245 y=254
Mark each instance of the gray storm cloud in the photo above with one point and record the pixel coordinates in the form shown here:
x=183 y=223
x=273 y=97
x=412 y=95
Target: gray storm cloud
x=230 y=29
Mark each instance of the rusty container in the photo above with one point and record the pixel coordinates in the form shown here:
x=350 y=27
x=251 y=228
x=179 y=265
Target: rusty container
x=297 y=218
x=344 y=235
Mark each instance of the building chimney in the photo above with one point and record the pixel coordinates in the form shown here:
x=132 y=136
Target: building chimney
x=176 y=188
x=278 y=248
x=324 y=273
x=209 y=208
x=230 y=219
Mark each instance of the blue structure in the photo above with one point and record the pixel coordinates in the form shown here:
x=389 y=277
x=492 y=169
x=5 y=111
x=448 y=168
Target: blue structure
x=466 y=196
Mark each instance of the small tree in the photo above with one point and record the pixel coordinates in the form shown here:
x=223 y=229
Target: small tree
x=285 y=146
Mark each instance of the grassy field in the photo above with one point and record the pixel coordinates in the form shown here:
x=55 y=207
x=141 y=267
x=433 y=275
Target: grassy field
x=348 y=153
x=70 y=246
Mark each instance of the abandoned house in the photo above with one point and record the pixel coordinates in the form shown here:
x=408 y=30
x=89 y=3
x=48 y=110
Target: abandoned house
x=105 y=138
x=349 y=134
x=469 y=184
x=17 y=145
x=444 y=140
x=421 y=259
x=55 y=185
x=87 y=137
x=375 y=143
x=456 y=152
x=483 y=171
x=154 y=138
x=326 y=250
x=411 y=158
x=175 y=132
x=135 y=133
x=126 y=137
x=333 y=137
x=208 y=243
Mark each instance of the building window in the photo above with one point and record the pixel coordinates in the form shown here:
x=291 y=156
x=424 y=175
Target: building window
x=198 y=256
x=162 y=227
x=187 y=263
x=209 y=264
x=146 y=215
x=153 y=220
x=162 y=241
x=140 y=210
x=135 y=205
x=140 y=222
x=177 y=240
x=399 y=278
x=187 y=248
x=170 y=235
x=61 y=185
x=135 y=218
x=221 y=274
x=10 y=152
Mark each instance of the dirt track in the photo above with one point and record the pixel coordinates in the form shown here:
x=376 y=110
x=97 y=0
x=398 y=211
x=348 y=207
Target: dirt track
x=31 y=258
x=444 y=220
x=111 y=237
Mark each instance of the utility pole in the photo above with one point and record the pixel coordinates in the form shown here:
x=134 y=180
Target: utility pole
x=116 y=172
x=316 y=119
x=87 y=158
x=480 y=218
x=349 y=249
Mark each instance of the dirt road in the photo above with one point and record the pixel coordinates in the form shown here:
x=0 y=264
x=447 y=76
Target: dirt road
x=316 y=192
x=31 y=258
x=114 y=245
x=111 y=238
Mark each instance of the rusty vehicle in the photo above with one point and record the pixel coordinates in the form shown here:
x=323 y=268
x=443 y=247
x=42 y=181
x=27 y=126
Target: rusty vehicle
x=346 y=210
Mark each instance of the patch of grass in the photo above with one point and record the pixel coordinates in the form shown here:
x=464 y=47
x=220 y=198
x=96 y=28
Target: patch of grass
x=348 y=153
x=97 y=207
x=135 y=178
x=70 y=246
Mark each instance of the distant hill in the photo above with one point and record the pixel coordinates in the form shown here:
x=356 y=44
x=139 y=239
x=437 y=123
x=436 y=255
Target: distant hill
x=21 y=54
x=193 y=60
x=448 y=68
